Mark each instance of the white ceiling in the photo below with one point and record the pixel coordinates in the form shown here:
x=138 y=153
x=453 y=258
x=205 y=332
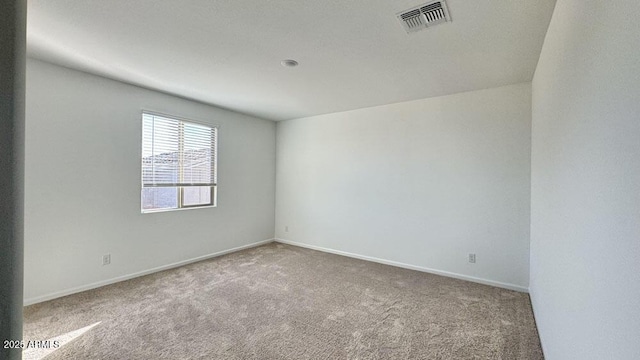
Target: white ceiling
x=352 y=53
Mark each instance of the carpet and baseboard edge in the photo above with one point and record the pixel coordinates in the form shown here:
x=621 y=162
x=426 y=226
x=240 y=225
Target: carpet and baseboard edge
x=97 y=284
x=57 y=294
x=408 y=266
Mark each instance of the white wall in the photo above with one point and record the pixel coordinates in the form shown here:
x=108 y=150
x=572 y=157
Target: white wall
x=585 y=230
x=422 y=183
x=83 y=183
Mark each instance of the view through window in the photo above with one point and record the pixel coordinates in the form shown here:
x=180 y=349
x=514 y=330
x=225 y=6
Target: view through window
x=178 y=163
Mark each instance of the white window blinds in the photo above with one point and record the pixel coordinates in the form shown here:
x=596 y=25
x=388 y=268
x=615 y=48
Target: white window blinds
x=180 y=157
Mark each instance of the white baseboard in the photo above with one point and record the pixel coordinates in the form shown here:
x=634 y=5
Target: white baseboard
x=57 y=294
x=408 y=266
x=51 y=296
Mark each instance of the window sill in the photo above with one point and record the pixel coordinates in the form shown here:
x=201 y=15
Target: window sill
x=178 y=209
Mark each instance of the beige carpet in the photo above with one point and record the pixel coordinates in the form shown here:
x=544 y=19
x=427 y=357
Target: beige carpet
x=283 y=302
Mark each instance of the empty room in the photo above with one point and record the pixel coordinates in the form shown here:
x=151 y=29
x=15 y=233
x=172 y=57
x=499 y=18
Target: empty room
x=320 y=179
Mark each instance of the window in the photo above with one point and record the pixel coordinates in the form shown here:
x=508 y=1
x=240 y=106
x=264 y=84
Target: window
x=178 y=164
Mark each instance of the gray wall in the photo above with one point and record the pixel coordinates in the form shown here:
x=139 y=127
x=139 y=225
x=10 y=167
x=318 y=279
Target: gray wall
x=12 y=93
x=585 y=210
x=419 y=184
x=83 y=151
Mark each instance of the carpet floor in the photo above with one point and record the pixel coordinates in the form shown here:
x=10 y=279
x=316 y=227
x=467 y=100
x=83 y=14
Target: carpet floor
x=283 y=302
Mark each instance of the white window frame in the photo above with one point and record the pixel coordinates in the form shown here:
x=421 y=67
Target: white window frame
x=181 y=187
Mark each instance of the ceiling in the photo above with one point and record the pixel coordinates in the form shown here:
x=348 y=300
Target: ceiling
x=352 y=53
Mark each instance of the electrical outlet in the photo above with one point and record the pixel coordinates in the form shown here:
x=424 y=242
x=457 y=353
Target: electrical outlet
x=472 y=258
x=286 y=229
x=106 y=259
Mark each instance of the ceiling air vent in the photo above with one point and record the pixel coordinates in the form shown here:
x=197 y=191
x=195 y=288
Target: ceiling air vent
x=424 y=16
